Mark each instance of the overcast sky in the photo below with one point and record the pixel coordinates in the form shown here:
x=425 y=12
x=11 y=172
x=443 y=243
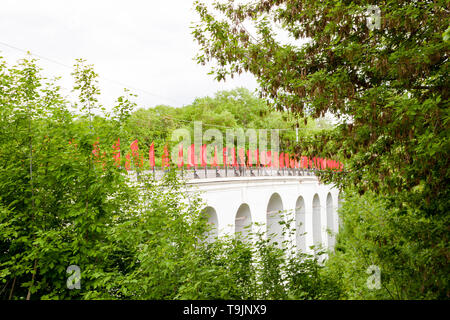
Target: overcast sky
x=146 y=45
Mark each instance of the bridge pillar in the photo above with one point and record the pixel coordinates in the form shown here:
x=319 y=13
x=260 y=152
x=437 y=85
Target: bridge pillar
x=323 y=215
x=336 y=206
x=309 y=241
x=259 y=213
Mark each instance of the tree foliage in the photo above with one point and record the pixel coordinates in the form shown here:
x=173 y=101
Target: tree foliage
x=410 y=250
x=64 y=202
x=388 y=89
x=388 y=85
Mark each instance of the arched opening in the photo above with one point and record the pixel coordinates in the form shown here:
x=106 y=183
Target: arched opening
x=330 y=221
x=317 y=227
x=243 y=222
x=300 y=220
x=211 y=214
x=274 y=219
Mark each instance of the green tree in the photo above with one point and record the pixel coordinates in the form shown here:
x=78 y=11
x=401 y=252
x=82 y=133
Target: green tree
x=386 y=86
x=409 y=249
x=64 y=202
x=390 y=83
x=57 y=196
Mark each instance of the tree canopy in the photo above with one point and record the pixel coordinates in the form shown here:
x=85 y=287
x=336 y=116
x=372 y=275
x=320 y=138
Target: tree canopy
x=382 y=71
x=65 y=204
x=388 y=85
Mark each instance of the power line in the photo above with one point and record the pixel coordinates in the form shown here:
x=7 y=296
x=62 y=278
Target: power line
x=218 y=125
x=103 y=77
x=119 y=83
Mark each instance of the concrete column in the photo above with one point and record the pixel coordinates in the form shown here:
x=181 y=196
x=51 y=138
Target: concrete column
x=258 y=208
x=226 y=216
x=308 y=197
x=335 y=209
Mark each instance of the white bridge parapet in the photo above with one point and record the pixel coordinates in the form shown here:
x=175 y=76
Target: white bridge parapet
x=236 y=202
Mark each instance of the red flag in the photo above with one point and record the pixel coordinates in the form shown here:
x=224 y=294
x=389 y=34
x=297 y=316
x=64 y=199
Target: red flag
x=281 y=160
x=135 y=152
x=257 y=157
x=276 y=160
x=180 y=155
x=134 y=146
x=241 y=156
x=249 y=158
x=165 y=157
x=225 y=157
x=116 y=152
x=203 y=156
x=214 y=163
x=233 y=154
x=269 y=159
x=286 y=160
x=191 y=156
x=151 y=155
x=134 y=149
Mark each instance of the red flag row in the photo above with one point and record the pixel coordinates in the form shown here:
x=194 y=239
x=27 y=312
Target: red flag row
x=256 y=157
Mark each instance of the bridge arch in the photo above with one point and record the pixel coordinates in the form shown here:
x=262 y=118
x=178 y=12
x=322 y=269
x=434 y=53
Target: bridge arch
x=274 y=219
x=317 y=226
x=300 y=224
x=243 y=222
x=330 y=221
x=211 y=214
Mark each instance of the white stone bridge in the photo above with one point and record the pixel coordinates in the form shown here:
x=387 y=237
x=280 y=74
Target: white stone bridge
x=259 y=199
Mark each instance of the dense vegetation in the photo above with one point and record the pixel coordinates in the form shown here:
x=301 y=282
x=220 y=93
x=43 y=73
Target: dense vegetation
x=61 y=204
x=389 y=86
x=64 y=202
